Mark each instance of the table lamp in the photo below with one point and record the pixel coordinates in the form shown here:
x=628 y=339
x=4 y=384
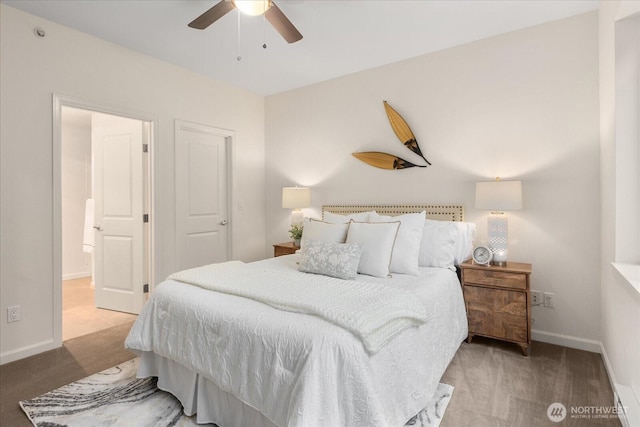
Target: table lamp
x=296 y=198
x=499 y=196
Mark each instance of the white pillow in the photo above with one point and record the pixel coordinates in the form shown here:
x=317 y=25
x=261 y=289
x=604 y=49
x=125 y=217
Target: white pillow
x=464 y=241
x=407 y=247
x=341 y=219
x=437 y=248
x=331 y=259
x=323 y=232
x=376 y=239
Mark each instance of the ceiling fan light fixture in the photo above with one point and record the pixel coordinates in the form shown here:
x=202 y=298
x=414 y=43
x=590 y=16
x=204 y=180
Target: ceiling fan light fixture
x=252 y=7
x=268 y=8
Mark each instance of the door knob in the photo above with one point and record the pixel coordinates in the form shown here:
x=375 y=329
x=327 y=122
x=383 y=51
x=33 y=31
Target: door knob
x=224 y=222
x=97 y=227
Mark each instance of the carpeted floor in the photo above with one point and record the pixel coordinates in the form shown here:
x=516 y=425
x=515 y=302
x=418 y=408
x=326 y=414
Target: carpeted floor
x=494 y=384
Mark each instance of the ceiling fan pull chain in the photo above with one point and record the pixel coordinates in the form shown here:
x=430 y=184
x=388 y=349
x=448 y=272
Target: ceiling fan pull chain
x=239 y=57
x=264 y=31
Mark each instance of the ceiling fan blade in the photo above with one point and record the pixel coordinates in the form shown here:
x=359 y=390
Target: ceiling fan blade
x=212 y=15
x=282 y=24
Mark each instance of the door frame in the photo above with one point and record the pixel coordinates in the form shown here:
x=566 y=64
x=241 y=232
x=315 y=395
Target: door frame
x=229 y=137
x=60 y=101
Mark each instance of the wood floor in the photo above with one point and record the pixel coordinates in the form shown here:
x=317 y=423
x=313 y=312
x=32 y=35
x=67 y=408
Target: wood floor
x=79 y=313
x=494 y=384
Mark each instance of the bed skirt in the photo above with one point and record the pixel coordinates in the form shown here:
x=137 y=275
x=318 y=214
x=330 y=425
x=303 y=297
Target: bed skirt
x=198 y=395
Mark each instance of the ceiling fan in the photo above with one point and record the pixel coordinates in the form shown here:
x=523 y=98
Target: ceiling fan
x=271 y=12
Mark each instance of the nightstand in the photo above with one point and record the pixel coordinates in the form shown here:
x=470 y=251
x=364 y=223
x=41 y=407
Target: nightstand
x=498 y=302
x=287 y=248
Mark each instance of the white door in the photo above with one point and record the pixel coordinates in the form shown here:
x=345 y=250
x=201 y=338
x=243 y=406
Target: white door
x=202 y=235
x=117 y=145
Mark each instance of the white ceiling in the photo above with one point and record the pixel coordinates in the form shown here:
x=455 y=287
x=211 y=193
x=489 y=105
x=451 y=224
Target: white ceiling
x=340 y=36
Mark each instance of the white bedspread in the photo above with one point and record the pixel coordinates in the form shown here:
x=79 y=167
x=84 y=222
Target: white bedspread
x=373 y=312
x=301 y=370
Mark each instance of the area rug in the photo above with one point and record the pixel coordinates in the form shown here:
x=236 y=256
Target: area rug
x=115 y=397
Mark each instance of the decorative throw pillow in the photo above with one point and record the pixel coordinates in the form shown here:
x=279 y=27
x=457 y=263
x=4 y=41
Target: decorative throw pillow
x=331 y=259
x=437 y=248
x=323 y=231
x=341 y=219
x=376 y=239
x=407 y=247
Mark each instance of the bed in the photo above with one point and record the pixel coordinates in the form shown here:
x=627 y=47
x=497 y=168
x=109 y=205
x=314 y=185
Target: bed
x=237 y=353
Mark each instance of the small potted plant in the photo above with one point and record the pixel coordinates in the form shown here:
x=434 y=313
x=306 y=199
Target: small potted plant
x=296 y=233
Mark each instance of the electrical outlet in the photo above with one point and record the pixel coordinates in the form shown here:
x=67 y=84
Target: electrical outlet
x=548 y=299
x=13 y=313
x=536 y=298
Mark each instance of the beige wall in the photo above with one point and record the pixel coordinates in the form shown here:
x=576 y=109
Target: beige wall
x=522 y=105
x=73 y=64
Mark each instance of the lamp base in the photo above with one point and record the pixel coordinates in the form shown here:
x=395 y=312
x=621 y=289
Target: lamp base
x=297 y=217
x=498 y=232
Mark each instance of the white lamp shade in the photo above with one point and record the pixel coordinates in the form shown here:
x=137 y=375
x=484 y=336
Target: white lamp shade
x=499 y=195
x=296 y=197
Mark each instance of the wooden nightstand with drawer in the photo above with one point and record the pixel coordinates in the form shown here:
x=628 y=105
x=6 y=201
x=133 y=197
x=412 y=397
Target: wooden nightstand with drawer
x=287 y=248
x=498 y=302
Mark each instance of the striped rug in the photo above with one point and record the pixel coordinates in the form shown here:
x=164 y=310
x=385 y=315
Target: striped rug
x=115 y=397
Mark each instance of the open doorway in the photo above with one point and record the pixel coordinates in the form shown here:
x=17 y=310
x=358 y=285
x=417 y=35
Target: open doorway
x=104 y=189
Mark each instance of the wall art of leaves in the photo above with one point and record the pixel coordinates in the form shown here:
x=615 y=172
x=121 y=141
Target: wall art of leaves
x=384 y=160
x=406 y=137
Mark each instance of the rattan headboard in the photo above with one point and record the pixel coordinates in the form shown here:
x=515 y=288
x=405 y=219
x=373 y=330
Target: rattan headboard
x=437 y=212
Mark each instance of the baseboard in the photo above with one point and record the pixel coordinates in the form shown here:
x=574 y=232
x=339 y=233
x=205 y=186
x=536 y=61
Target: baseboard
x=567 y=341
x=27 y=351
x=608 y=368
x=624 y=397
x=630 y=406
x=78 y=275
